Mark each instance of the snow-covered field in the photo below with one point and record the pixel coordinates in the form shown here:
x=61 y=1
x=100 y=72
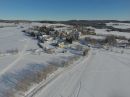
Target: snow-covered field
x=19 y=53
x=116 y=33
x=2 y=25
x=100 y=74
x=119 y=25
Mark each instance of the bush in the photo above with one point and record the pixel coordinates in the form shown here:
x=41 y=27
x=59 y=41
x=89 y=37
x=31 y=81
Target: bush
x=8 y=93
x=13 y=51
x=45 y=29
x=111 y=40
x=91 y=33
x=34 y=74
x=85 y=52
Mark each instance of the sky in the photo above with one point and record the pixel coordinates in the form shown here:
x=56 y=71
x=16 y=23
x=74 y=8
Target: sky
x=65 y=9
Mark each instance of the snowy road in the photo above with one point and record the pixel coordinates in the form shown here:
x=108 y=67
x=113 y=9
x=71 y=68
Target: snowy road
x=100 y=75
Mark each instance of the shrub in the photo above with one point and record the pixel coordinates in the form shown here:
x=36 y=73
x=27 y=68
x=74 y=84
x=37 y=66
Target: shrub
x=111 y=39
x=85 y=52
x=13 y=51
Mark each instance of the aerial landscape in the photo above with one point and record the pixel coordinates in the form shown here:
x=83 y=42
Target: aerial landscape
x=71 y=48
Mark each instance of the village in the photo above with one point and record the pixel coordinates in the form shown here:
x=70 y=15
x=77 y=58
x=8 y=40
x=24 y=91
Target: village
x=60 y=36
x=65 y=48
x=33 y=54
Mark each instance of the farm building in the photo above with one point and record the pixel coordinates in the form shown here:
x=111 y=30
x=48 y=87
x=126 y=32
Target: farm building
x=122 y=43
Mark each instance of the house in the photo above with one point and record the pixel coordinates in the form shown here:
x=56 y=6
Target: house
x=58 y=42
x=44 y=38
x=47 y=38
x=88 y=31
x=53 y=33
x=77 y=35
x=69 y=39
x=122 y=43
x=74 y=35
x=61 y=45
x=31 y=32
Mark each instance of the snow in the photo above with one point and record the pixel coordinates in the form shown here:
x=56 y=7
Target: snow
x=105 y=32
x=119 y=25
x=93 y=37
x=14 y=65
x=7 y=24
x=99 y=75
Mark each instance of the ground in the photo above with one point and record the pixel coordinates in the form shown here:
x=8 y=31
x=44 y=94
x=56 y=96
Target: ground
x=108 y=78
x=19 y=53
x=103 y=73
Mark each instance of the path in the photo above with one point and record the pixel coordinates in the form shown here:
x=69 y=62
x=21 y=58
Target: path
x=100 y=76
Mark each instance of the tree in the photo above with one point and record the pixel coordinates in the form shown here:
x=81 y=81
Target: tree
x=111 y=40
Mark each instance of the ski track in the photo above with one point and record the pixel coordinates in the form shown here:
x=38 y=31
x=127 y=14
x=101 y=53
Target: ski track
x=67 y=76
x=89 y=79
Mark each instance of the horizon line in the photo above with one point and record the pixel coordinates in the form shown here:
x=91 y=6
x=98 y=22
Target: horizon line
x=64 y=20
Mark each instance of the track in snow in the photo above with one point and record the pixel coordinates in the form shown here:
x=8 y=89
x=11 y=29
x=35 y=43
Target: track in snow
x=69 y=77
x=100 y=76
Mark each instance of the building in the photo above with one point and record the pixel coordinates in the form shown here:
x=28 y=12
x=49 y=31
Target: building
x=122 y=43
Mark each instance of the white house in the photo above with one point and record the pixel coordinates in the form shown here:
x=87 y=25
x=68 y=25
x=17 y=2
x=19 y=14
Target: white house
x=122 y=43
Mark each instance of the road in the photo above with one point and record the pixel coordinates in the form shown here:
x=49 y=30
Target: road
x=100 y=75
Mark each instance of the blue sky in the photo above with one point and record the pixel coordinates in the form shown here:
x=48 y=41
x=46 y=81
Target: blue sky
x=65 y=9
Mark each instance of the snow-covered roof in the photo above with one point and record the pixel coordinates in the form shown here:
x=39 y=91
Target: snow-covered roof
x=122 y=41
